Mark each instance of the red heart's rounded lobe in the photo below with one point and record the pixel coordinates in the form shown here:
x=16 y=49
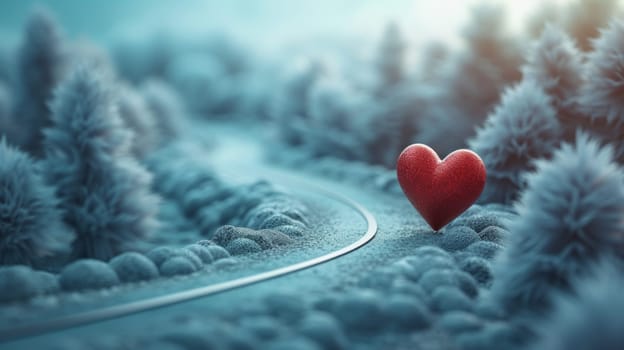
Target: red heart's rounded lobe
x=440 y=189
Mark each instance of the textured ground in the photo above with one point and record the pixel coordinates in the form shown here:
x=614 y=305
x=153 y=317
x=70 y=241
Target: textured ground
x=391 y=293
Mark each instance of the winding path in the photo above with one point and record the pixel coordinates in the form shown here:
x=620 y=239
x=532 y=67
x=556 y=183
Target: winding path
x=107 y=313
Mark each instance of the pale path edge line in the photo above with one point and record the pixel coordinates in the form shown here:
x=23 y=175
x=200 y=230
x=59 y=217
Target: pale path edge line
x=98 y=315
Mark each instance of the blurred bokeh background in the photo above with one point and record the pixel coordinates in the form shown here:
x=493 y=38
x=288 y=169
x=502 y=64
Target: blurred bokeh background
x=354 y=80
x=274 y=22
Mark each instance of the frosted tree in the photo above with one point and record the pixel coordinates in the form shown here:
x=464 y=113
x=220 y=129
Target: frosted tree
x=6 y=63
x=392 y=124
x=521 y=129
x=230 y=54
x=39 y=67
x=165 y=106
x=601 y=95
x=136 y=115
x=139 y=60
x=204 y=85
x=442 y=125
x=470 y=83
x=589 y=319
x=490 y=62
x=434 y=60
x=292 y=110
x=390 y=61
x=332 y=110
x=584 y=19
x=86 y=52
x=570 y=216
x=103 y=191
x=555 y=64
x=6 y=106
x=546 y=13
x=31 y=226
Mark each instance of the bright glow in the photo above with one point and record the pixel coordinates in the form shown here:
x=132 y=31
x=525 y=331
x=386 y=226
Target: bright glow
x=270 y=23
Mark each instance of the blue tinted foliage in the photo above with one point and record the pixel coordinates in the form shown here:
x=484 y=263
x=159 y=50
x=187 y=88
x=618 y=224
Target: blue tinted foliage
x=600 y=98
x=390 y=62
x=166 y=108
x=555 y=64
x=138 y=60
x=395 y=107
x=591 y=319
x=137 y=117
x=103 y=191
x=31 y=226
x=490 y=62
x=584 y=19
x=40 y=66
x=200 y=112
x=521 y=129
x=6 y=63
x=6 y=109
x=569 y=216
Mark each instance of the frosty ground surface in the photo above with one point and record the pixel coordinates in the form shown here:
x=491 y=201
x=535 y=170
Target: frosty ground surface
x=240 y=158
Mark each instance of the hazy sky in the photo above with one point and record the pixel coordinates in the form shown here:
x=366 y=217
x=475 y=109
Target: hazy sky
x=265 y=22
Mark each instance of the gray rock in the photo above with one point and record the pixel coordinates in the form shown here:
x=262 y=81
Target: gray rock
x=177 y=265
x=202 y=252
x=444 y=299
x=241 y=246
x=88 y=274
x=134 y=267
x=406 y=312
x=324 y=329
x=18 y=282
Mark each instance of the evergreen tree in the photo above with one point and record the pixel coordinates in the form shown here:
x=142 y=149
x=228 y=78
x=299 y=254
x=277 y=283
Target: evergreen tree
x=570 y=217
x=589 y=319
x=103 y=191
x=491 y=62
x=471 y=82
x=40 y=66
x=292 y=109
x=332 y=109
x=165 y=106
x=6 y=63
x=31 y=226
x=521 y=129
x=554 y=63
x=6 y=122
x=601 y=96
x=136 y=115
x=392 y=124
x=391 y=59
x=545 y=14
x=584 y=19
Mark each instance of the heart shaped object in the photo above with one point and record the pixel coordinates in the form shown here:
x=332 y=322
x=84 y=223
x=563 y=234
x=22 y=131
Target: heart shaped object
x=440 y=189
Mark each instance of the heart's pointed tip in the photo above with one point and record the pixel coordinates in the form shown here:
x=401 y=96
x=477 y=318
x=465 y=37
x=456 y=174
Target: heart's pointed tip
x=437 y=229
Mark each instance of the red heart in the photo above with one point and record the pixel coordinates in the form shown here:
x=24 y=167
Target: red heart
x=440 y=189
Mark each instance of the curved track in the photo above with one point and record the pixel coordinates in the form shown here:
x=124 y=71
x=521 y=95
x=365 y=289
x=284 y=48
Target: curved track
x=120 y=310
